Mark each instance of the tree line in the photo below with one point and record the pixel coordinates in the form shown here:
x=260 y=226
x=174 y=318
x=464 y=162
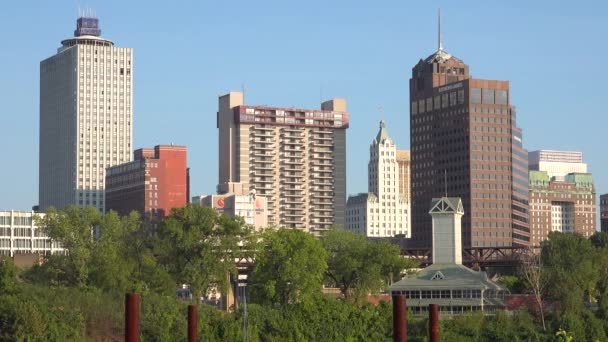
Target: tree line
x=79 y=295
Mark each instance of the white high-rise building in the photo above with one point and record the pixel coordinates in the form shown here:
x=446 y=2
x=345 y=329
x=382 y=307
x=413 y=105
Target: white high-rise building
x=86 y=117
x=384 y=210
x=557 y=163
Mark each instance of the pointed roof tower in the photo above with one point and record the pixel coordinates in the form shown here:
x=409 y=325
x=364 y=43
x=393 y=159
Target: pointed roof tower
x=382 y=134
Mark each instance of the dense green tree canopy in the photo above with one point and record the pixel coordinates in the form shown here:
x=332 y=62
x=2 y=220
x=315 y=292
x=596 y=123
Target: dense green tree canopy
x=289 y=268
x=358 y=266
x=568 y=261
x=199 y=247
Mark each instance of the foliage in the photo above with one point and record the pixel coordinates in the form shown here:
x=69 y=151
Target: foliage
x=73 y=227
x=198 y=247
x=289 y=268
x=358 y=266
x=8 y=274
x=515 y=284
x=80 y=296
x=569 y=267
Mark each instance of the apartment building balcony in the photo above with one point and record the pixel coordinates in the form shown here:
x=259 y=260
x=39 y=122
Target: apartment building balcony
x=263 y=166
x=263 y=181
x=322 y=137
x=262 y=146
x=264 y=127
x=320 y=214
x=263 y=153
x=321 y=182
x=291 y=161
x=292 y=129
x=320 y=195
x=323 y=156
x=292 y=167
x=292 y=135
x=318 y=162
x=321 y=143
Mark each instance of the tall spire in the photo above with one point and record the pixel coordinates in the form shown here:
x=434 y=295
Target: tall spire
x=439 y=47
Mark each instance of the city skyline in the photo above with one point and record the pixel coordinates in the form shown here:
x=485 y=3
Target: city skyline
x=354 y=81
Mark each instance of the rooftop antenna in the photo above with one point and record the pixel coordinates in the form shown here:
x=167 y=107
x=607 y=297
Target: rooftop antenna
x=439 y=47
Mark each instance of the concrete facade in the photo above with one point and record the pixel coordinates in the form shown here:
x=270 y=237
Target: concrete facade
x=253 y=209
x=86 y=117
x=153 y=183
x=19 y=234
x=384 y=210
x=295 y=158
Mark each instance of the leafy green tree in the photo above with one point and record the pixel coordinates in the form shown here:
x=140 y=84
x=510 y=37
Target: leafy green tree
x=358 y=266
x=602 y=282
x=568 y=262
x=198 y=247
x=74 y=228
x=8 y=274
x=289 y=268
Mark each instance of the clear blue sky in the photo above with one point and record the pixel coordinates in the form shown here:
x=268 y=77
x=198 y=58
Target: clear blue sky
x=284 y=52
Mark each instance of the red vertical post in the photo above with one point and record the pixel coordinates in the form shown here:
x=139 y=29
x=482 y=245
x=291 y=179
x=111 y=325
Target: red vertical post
x=132 y=317
x=433 y=323
x=399 y=319
x=192 y=321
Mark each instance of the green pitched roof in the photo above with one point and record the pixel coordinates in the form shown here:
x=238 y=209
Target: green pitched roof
x=382 y=134
x=446 y=276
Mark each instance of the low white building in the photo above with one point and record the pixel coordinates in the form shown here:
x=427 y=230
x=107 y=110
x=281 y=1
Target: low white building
x=19 y=234
x=252 y=208
x=383 y=211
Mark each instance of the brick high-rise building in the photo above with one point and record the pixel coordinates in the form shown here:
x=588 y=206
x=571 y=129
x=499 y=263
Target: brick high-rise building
x=565 y=205
x=153 y=183
x=562 y=194
x=295 y=158
x=464 y=141
x=86 y=117
x=604 y=212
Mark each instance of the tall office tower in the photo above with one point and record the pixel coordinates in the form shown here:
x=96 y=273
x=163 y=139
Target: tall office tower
x=557 y=163
x=383 y=211
x=604 y=212
x=155 y=182
x=295 y=158
x=465 y=142
x=85 y=117
x=562 y=194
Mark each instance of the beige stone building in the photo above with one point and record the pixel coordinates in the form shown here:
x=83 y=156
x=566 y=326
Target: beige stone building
x=403 y=161
x=383 y=211
x=295 y=158
x=86 y=117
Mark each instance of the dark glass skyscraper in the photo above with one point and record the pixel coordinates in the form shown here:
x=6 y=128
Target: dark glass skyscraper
x=464 y=141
